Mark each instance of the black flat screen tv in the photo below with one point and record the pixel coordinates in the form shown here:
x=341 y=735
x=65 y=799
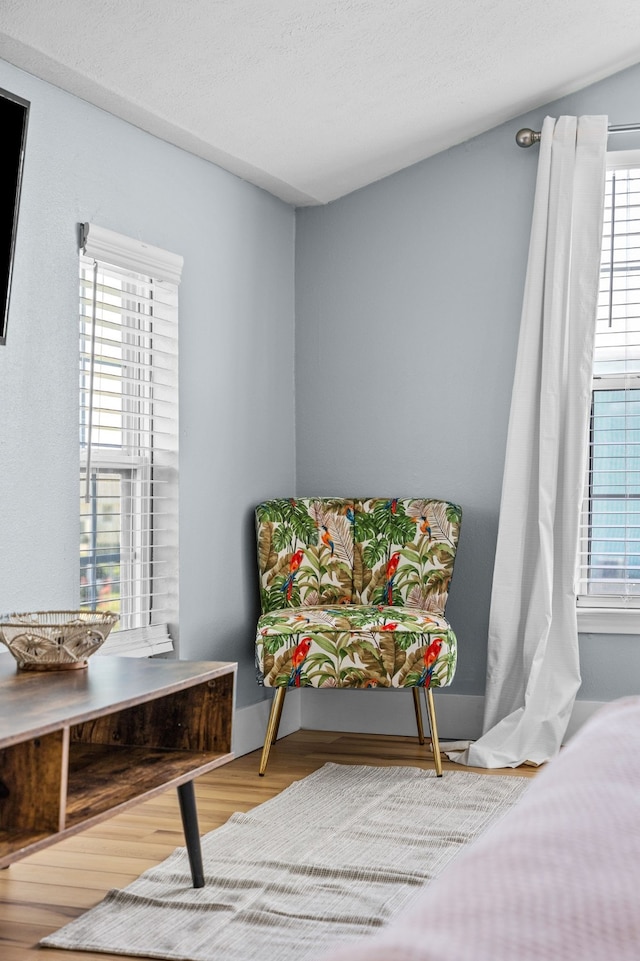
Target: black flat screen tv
x=14 y=113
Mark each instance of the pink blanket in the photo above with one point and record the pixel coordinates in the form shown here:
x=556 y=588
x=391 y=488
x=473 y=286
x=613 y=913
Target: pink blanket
x=557 y=878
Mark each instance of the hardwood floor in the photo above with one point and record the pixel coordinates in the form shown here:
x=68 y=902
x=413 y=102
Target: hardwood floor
x=42 y=892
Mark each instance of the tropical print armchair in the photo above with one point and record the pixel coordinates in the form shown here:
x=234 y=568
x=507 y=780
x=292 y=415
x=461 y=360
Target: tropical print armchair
x=353 y=594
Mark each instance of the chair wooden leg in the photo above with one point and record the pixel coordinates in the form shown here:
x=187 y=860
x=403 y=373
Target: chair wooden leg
x=416 y=704
x=431 y=711
x=280 y=699
x=272 y=727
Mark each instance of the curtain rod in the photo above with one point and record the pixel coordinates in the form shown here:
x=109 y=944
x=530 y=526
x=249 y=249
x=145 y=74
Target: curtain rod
x=527 y=137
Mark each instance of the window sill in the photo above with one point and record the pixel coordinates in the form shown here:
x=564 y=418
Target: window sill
x=139 y=642
x=608 y=620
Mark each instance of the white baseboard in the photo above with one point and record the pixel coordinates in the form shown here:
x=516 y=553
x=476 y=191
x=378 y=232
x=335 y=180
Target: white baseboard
x=582 y=711
x=373 y=712
x=389 y=712
x=250 y=723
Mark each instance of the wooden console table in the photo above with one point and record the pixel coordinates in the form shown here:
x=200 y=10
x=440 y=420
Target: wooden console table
x=79 y=746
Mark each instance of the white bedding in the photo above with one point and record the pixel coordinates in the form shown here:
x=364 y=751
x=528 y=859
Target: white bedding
x=557 y=878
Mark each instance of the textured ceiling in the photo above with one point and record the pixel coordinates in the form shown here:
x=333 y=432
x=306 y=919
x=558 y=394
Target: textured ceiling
x=312 y=99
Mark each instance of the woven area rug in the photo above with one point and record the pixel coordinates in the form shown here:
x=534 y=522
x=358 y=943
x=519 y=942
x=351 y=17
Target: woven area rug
x=331 y=858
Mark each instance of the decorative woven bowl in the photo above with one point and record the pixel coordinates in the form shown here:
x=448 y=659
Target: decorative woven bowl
x=55 y=640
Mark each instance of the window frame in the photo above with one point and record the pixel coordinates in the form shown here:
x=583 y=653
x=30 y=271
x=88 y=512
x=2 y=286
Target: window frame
x=597 y=614
x=136 y=460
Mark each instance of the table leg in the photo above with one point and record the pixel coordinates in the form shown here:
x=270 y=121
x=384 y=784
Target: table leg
x=187 y=800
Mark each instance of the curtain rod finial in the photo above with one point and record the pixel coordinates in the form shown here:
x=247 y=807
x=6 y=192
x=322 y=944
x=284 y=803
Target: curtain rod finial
x=527 y=137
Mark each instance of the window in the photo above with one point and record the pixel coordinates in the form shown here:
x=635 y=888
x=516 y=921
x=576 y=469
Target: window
x=610 y=531
x=129 y=437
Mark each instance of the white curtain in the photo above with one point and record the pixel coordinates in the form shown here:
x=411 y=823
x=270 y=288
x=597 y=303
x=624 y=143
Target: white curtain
x=533 y=669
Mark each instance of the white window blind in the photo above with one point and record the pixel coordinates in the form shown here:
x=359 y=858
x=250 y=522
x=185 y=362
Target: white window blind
x=609 y=560
x=129 y=437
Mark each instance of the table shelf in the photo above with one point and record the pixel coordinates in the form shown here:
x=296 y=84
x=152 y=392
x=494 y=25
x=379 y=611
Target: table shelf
x=102 y=778
x=163 y=723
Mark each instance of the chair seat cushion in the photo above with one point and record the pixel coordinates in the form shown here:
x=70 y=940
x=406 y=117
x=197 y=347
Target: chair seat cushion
x=352 y=645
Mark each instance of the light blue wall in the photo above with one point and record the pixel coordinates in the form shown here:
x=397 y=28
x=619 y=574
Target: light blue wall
x=408 y=304
x=236 y=361
x=408 y=300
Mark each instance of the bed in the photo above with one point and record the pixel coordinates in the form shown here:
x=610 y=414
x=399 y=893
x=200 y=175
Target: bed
x=558 y=877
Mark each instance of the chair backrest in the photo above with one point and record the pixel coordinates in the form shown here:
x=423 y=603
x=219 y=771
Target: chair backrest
x=297 y=563
x=373 y=551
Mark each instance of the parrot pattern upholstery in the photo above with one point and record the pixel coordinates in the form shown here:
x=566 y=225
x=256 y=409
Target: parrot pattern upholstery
x=353 y=594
